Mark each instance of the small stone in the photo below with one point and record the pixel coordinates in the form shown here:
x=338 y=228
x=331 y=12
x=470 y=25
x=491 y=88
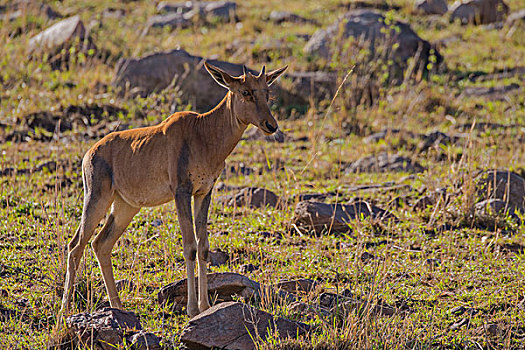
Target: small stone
x=235 y=325
x=218 y=258
x=247 y=268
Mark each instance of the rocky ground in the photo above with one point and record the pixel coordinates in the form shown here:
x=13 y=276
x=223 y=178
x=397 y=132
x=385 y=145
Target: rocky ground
x=388 y=210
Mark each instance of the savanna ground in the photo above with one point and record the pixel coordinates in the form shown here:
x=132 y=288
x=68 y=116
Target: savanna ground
x=431 y=261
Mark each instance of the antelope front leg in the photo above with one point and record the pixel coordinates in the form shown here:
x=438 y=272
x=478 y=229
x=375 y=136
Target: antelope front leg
x=201 y=206
x=183 y=204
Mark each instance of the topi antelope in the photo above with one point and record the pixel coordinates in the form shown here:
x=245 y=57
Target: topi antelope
x=179 y=158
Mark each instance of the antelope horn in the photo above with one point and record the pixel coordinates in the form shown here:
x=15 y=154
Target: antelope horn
x=263 y=72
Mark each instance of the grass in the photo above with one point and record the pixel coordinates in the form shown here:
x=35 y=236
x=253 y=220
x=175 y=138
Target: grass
x=430 y=271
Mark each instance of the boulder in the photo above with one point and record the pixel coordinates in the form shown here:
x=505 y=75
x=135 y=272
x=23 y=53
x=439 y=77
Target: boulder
x=221 y=285
x=317 y=85
x=67 y=32
x=110 y=328
x=304 y=285
x=478 y=11
x=175 y=20
x=224 y=10
x=369 y=26
x=235 y=325
x=178 y=69
x=515 y=18
x=279 y=17
x=321 y=217
x=385 y=162
x=218 y=257
x=432 y=7
x=254 y=197
x=492 y=92
x=504 y=185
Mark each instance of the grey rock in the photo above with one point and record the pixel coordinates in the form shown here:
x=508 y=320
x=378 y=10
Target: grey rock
x=385 y=162
x=504 y=185
x=369 y=25
x=232 y=325
x=279 y=17
x=218 y=257
x=145 y=341
x=224 y=10
x=60 y=35
x=478 y=11
x=515 y=18
x=493 y=92
x=177 y=69
x=306 y=85
x=247 y=268
x=432 y=7
x=109 y=328
x=251 y=197
x=304 y=285
x=176 y=20
x=220 y=285
x=320 y=217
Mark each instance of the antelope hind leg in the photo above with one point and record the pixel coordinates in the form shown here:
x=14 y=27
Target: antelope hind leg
x=119 y=218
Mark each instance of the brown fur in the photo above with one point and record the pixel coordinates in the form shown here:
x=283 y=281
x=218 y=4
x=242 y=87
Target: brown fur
x=179 y=158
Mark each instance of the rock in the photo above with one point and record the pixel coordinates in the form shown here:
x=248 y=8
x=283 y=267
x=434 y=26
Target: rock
x=478 y=11
x=381 y=135
x=503 y=185
x=279 y=17
x=181 y=7
x=493 y=92
x=433 y=139
x=61 y=35
x=218 y=258
x=110 y=328
x=423 y=202
x=252 y=197
x=247 y=268
x=366 y=257
x=307 y=85
x=145 y=341
x=235 y=325
x=113 y=13
x=124 y=284
x=16 y=9
x=224 y=10
x=175 y=68
x=432 y=7
x=384 y=162
x=370 y=26
x=304 y=285
x=320 y=217
x=515 y=18
x=222 y=285
x=175 y=20
x=254 y=133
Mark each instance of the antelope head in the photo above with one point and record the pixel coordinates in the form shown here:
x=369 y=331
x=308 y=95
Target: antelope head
x=250 y=95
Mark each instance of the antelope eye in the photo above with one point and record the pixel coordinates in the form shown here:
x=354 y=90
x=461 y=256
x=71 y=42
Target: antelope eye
x=246 y=93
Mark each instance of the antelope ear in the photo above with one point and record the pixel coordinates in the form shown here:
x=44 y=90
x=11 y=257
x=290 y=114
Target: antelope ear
x=221 y=77
x=273 y=75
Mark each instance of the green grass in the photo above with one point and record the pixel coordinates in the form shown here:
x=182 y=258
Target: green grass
x=40 y=211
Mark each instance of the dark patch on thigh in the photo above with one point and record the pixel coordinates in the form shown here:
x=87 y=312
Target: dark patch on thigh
x=193 y=254
x=101 y=177
x=183 y=164
x=205 y=254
